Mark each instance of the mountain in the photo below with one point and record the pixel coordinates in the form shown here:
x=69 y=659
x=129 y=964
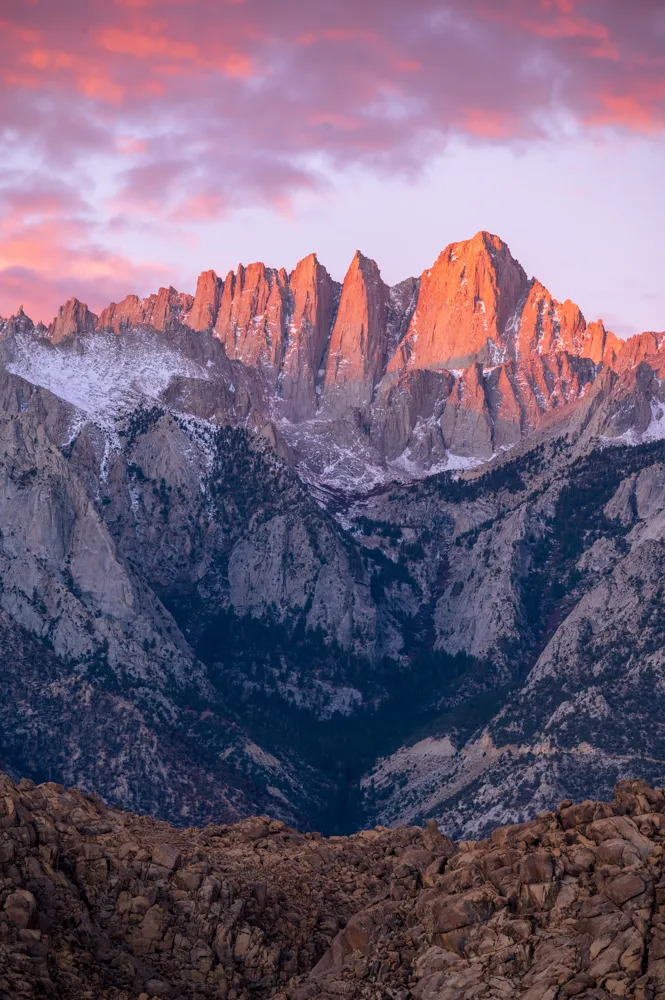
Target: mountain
x=106 y=903
x=339 y=554
x=362 y=383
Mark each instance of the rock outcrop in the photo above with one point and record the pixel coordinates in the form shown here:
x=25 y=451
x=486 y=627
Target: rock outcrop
x=205 y=306
x=73 y=318
x=95 y=901
x=636 y=349
x=313 y=298
x=467 y=308
x=357 y=354
x=161 y=311
x=251 y=321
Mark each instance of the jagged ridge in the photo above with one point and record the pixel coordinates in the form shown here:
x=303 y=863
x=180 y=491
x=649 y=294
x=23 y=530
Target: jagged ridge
x=449 y=369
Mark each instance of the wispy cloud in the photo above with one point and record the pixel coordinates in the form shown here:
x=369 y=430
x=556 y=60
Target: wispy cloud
x=196 y=107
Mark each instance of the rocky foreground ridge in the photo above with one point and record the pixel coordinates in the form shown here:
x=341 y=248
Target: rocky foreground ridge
x=105 y=904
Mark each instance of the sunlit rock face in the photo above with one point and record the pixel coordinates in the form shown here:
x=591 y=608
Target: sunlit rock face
x=73 y=318
x=467 y=308
x=205 y=306
x=361 y=382
x=161 y=311
x=357 y=354
x=277 y=323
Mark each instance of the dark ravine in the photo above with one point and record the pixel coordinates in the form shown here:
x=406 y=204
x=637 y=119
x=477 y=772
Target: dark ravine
x=102 y=903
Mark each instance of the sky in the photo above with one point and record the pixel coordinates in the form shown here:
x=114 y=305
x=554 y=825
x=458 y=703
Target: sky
x=142 y=142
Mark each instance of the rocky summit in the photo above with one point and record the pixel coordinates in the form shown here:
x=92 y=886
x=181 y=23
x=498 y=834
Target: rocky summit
x=102 y=903
x=361 y=383
x=337 y=553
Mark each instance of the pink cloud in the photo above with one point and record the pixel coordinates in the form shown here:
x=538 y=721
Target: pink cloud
x=488 y=124
x=48 y=253
x=338 y=35
x=562 y=21
x=199 y=106
x=146 y=43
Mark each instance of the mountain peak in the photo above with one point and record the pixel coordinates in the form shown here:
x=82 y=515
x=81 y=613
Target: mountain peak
x=203 y=313
x=306 y=268
x=358 y=342
x=73 y=318
x=466 y=308
x=365 y=266
x=489 y=240
x=482 y=242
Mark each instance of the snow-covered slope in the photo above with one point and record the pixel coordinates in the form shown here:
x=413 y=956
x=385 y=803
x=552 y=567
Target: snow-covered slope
x=104 y=376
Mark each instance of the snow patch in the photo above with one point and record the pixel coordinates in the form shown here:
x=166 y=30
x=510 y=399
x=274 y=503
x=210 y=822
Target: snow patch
x=100 y=375
x=262 y=757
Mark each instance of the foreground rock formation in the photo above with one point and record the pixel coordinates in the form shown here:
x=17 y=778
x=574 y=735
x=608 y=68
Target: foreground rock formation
x=101 y=903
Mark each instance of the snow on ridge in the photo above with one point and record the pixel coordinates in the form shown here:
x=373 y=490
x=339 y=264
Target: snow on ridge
x=451 y=463
x=655 y=430
x=106 y=378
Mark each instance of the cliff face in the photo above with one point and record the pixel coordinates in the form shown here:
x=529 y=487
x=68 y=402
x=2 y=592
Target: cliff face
x=357 y=353
x=569 y=904
x=159 y=311
x=312 y=306
x=271 y=321
x=73 y=318
x=467 y=308
x=203 y=314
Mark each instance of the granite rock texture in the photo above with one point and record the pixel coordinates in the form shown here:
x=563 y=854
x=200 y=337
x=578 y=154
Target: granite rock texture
x=106 y=903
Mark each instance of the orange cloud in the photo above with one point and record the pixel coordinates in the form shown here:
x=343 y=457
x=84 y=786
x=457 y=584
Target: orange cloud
x=486 y=124
x=143 y=46
x=151 y=42
x=43 y=59
x=338 y=35
x=577 y=28
x=641 y=113
x=100 y=87
x=238 y=65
